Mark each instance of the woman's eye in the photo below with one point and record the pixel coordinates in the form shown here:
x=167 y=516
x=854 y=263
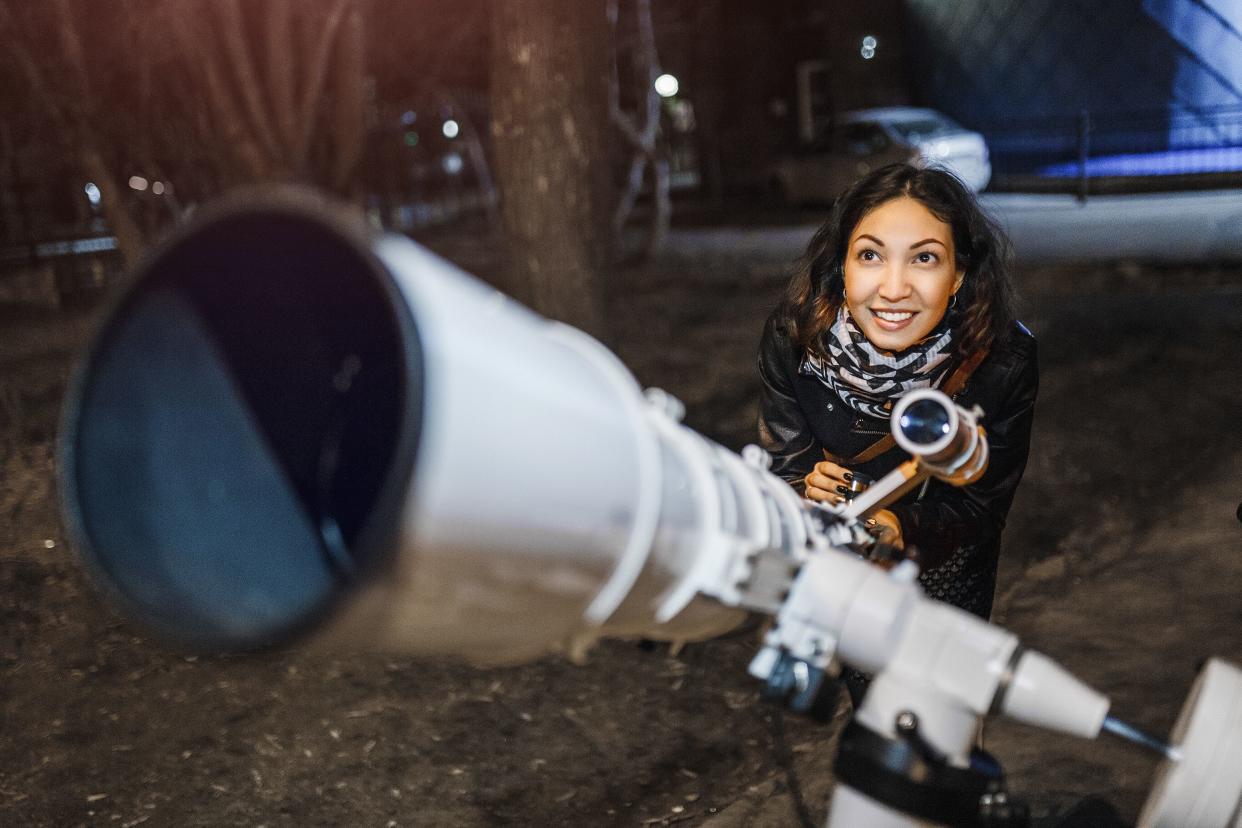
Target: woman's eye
x=868 y=255
x=926 y=258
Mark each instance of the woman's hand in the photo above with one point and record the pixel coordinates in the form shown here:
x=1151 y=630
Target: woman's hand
x=827 y=482
x=884 y=525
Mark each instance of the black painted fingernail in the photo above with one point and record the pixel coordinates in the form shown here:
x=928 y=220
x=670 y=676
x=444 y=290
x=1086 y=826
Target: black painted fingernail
x=843 y=490
x=849 y=478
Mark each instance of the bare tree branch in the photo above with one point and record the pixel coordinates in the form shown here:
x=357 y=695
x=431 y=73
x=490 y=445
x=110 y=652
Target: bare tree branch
x=129 y=236
x=474 y=150
x=130 y=240
x=72 y=44
x=649 y=62
x=649 y=70
x=280 y=62
x=642 y=139
x=348 y=117
x=228 y=119
x=185 y=91
x=54 y=103
x=663 y=213
x=232 y=30
x=311 y=93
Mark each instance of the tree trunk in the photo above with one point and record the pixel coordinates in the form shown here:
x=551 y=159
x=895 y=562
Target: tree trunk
x=550 y=133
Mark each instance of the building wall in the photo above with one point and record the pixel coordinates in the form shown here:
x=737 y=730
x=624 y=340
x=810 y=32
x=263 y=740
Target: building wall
x=1209 y=34
x=985 y=61
x=740 y=60
x=859 y=82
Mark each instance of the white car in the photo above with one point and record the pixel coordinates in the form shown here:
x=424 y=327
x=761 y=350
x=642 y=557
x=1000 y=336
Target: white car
x=865 y=139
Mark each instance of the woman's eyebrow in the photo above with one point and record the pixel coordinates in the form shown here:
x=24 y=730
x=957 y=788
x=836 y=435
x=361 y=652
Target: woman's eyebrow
x=862 y=236
x=929 y=241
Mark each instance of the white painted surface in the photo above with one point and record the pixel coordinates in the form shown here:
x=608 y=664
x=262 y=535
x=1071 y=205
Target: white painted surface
x=1184 y=227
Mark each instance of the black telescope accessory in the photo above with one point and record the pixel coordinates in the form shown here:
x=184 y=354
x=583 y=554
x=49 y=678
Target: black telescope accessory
x=888 y=555
x=909 y=775
x=802 y=687
x=856 y=482
x=879 y=549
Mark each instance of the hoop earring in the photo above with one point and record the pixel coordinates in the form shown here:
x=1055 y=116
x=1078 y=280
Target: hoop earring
x=952 y=302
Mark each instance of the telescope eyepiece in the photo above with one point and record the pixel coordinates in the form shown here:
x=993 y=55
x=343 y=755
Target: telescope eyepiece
x=926 y=421
x=944 y=437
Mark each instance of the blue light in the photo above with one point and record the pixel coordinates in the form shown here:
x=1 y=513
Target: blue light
x=1167 y=162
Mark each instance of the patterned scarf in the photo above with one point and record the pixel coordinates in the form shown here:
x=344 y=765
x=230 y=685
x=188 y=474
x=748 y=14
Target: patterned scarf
x=868 y=380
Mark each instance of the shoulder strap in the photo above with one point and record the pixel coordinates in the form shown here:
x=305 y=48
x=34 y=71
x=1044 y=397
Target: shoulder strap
x=956 y=382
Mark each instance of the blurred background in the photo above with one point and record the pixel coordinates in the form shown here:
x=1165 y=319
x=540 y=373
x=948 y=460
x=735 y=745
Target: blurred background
x=647 y=170
x=122 y=117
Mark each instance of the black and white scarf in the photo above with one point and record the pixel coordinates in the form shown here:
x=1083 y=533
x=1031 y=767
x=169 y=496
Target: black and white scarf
x=868 y=380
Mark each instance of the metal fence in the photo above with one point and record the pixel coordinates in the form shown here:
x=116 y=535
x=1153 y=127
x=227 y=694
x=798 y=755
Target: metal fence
x=1118 y=152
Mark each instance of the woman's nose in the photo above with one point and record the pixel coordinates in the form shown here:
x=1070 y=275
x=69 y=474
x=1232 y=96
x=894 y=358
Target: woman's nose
x=895 y=285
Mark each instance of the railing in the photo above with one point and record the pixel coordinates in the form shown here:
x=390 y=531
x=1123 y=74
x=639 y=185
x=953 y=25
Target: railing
x=1118 y=152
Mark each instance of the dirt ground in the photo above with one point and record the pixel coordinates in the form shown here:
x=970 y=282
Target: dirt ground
x=1121 y=559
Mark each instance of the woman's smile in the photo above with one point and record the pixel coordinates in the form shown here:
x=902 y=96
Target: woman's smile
x=891 y=320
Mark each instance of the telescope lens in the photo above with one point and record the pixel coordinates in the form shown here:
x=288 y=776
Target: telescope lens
x=236 y=425
x=924 y=422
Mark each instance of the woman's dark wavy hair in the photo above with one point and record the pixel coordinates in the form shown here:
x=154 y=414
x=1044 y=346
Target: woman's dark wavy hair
x=983 y=312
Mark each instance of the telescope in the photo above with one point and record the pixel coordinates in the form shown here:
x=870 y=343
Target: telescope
x=292 y=430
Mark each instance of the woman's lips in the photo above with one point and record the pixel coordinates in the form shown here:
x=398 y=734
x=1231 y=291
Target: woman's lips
x=892 y=320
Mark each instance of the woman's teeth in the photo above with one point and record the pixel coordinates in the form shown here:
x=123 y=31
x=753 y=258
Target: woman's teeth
x=893 y=316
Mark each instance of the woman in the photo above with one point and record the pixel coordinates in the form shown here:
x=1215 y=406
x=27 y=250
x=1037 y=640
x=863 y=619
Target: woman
x=904 y=287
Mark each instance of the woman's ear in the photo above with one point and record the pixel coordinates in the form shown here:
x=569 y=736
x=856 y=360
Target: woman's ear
x=957 y=283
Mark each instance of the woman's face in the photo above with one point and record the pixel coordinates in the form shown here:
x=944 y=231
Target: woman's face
x=900 y=273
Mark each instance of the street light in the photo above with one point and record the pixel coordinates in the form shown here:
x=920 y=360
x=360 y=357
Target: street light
x=666 y=85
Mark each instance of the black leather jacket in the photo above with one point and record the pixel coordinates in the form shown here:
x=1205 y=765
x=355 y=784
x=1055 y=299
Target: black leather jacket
x=957 y=530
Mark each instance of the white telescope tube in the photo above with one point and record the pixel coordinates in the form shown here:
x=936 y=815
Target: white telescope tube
x=287 y=424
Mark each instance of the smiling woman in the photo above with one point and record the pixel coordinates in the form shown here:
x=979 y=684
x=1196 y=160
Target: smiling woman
x=905 y=286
